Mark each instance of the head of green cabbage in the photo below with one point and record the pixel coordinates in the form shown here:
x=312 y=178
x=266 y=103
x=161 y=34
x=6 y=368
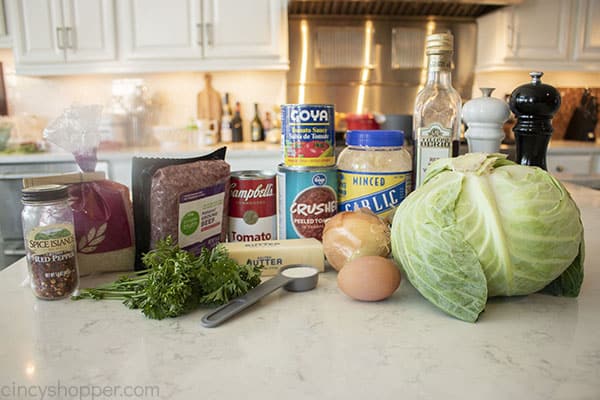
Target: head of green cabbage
x=483 y=226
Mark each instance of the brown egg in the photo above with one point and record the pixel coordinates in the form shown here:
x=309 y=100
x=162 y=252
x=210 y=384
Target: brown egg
x=369 y=278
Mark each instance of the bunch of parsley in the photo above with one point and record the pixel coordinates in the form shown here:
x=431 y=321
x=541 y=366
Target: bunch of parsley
x=176 y=281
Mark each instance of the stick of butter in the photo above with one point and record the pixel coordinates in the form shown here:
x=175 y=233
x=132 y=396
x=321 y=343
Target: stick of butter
x=270 y=255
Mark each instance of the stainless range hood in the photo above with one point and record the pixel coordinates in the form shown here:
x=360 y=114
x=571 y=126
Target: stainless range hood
x=369 y=56
x=401 y=8
x=368 y=64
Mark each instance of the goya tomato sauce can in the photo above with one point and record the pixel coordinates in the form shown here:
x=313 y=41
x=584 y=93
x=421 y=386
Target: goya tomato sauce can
x=307 y=198
x=308 y=135
x=252 y=206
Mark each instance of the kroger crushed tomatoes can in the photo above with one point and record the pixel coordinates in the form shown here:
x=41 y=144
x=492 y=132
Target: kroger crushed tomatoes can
x=307 y=198
x=308 y=135
x=252 y=206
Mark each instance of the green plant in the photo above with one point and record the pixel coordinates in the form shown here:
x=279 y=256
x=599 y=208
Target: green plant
x=176 y=282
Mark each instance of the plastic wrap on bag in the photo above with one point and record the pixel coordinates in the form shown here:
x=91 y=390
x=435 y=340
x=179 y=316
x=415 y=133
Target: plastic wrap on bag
x=76 y=131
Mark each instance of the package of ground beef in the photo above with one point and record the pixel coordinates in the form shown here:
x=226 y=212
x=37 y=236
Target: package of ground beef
x=186 y=199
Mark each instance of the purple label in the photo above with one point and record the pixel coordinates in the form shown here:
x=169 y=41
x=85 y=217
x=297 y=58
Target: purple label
x=199 y=194
x=209 y=243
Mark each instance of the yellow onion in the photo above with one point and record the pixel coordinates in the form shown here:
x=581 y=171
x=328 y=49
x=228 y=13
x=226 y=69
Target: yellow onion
x=352 y=234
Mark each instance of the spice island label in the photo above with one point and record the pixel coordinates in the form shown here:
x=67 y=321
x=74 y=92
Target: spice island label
x=51 y=240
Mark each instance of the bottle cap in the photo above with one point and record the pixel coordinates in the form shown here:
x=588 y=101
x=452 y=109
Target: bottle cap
x=43 y=193
x=439 y=43
x=375 y=138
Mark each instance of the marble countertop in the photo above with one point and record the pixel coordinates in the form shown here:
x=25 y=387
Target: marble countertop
x=313 y=345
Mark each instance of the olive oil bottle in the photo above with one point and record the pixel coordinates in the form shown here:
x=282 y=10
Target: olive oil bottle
x=436 y=119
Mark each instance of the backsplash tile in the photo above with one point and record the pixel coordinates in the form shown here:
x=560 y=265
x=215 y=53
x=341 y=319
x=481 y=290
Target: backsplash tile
x=570 y=99
x=174 y=93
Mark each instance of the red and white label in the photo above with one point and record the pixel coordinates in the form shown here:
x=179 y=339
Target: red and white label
x=252 y=210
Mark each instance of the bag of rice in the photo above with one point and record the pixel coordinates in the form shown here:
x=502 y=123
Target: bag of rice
x=102 y=209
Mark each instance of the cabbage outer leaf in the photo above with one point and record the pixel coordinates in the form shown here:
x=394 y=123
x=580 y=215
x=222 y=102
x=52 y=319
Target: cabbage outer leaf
x=437 y=260
x=569 y=283
x=530 y=230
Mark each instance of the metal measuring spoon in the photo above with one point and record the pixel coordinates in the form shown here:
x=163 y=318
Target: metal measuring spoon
x=293 y=277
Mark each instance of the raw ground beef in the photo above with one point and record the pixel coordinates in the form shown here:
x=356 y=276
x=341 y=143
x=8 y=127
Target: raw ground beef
x=169 y=183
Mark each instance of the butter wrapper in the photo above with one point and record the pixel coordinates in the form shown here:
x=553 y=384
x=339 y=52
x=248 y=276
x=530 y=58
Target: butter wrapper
x=271 y=255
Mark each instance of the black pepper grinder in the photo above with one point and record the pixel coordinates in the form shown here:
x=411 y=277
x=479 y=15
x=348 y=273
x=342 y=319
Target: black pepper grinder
x=534 y=104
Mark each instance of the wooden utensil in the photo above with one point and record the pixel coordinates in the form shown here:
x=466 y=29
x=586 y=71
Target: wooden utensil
x=209 y=101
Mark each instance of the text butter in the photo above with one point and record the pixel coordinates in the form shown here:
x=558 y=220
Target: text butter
x=271 y=255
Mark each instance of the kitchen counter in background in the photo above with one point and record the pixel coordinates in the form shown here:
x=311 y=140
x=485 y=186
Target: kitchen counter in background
x=576 y=162
x=573 y=147
x=117 y=163
x=317 y=344
x=567 y=159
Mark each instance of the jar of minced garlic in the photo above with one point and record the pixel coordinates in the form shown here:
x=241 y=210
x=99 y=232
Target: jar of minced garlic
x=374 y=171
x=50 y=244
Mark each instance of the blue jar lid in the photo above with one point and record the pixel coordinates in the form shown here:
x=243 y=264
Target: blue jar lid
x=375 y=138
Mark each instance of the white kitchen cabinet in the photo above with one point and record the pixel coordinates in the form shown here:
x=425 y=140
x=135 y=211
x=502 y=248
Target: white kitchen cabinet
x=62 y=31
x=235 y=28
x=5 y=39
x=210 y=33
x=580 y=164
x=539 y=30
x=587 y=40
x=89 y=30
x=540 y=34
x=65 y=37
x=575 y=162
x=37 y=31
x=158 y=29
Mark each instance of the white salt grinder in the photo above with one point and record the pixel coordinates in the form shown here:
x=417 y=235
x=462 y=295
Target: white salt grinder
x=484 y=117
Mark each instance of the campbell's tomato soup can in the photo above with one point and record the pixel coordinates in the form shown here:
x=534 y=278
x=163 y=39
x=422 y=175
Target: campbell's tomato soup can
x=308 y=135
x=307 y=198
x=252 y=206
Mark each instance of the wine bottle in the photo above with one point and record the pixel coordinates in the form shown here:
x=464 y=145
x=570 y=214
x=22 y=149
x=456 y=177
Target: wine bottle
x=257 y=131
x=226 y=131
x=436 y=119
x=237 y=130
x=273 y=135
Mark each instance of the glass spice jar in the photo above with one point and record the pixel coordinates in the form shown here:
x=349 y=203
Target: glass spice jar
x=50 y=243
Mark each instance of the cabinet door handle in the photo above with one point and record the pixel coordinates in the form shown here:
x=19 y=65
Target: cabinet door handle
x=210 y=33
x=60 y=38
x=200 y=34
x=69 y=42
x=560 y=168
x=510 y=34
